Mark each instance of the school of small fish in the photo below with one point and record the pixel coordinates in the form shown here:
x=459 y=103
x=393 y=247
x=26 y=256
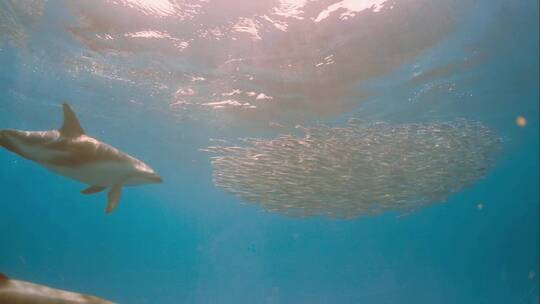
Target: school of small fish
x=358 y=169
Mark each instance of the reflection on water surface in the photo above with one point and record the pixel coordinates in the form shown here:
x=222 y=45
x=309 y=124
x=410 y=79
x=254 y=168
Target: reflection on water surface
x=265 y=58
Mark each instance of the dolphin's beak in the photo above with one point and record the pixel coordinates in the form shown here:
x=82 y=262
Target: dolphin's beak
x=2 y=144
x=157 y=179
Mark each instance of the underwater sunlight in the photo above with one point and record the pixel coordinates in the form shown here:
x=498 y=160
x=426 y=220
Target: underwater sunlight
x=269 y=151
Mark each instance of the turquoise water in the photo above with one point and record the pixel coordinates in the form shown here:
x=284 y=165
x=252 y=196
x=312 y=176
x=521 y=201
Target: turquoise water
x=164 y=80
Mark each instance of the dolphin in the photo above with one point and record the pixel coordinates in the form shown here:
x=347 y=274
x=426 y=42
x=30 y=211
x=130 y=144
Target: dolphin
x=21 y=292
x=69 y=152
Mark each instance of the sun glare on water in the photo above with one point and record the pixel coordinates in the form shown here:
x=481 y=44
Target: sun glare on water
x=161 y=8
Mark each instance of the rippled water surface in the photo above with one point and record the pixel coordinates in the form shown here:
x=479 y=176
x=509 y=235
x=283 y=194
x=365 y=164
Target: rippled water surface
x=312 y=151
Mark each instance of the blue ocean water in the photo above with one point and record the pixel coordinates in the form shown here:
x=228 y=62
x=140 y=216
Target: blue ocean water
x=162 y=100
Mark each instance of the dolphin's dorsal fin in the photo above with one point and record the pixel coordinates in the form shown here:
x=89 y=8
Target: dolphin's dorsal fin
x=71 y=126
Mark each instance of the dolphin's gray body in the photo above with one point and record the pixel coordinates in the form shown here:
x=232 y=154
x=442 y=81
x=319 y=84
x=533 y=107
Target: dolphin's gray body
x=68 y=151
x=21 y=292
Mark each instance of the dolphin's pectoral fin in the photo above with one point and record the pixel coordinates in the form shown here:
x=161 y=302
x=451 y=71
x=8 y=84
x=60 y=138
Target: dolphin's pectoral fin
x=92 y=190
x=114 y=198
x=71 y=126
